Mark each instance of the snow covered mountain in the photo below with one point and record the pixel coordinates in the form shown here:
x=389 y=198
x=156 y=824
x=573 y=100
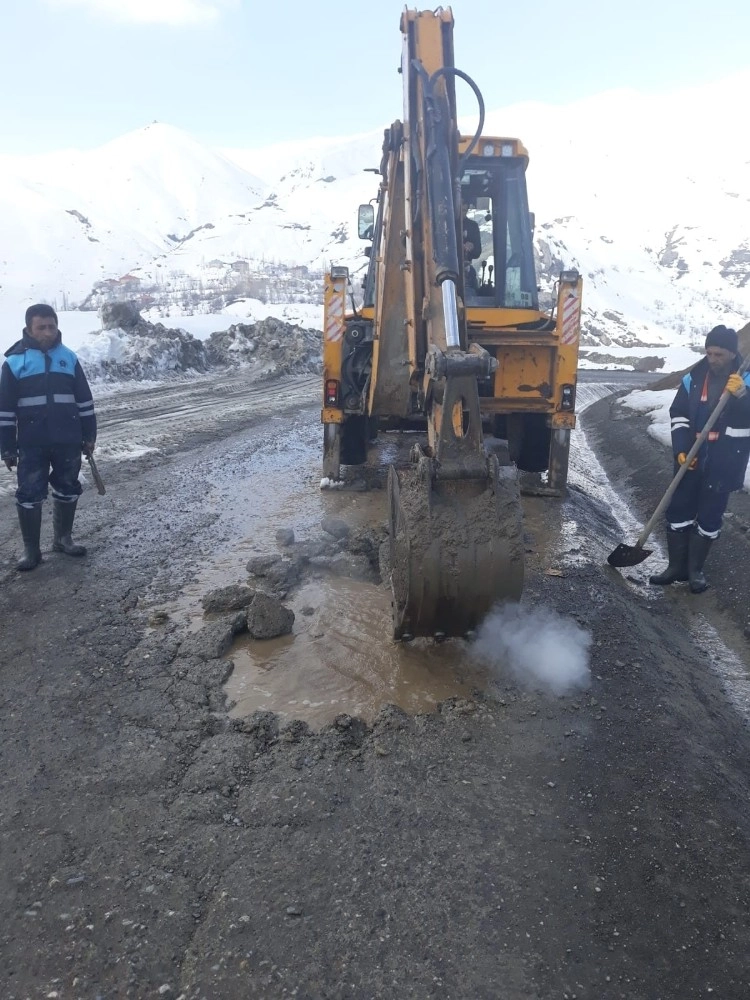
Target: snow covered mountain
x=71 y=218
x=649 y=197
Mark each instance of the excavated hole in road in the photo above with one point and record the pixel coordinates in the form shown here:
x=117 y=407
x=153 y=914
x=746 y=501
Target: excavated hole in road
x=340 y=658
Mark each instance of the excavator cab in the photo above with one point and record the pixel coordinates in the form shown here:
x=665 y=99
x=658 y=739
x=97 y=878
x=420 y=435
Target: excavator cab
x=494 y=190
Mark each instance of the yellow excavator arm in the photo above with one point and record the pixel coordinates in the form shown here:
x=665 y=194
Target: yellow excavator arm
x=450 y=346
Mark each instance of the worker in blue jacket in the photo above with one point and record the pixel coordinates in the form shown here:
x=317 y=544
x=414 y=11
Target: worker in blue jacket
x=695 y=514
x=47 y=420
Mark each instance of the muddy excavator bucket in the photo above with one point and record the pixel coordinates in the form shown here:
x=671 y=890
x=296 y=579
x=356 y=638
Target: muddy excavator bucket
x=456 y=548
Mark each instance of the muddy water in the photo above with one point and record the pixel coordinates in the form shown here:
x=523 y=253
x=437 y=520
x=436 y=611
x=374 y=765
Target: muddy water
x=339 y=659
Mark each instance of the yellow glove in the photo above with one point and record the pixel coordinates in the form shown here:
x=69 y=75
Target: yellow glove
x=736 y=385
x=681 y=458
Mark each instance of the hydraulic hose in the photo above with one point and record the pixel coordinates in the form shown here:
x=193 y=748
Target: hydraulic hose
x=439 y=179
x=452 y=71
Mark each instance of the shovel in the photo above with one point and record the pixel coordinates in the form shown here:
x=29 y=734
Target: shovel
x=95 y=475
x=631 y=555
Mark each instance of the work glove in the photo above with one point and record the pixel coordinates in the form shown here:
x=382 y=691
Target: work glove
x=88 y=448
x=682 y=458
x=10 y=459
x=736 y=385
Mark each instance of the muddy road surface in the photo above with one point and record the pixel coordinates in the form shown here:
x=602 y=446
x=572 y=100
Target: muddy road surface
x=186 y=813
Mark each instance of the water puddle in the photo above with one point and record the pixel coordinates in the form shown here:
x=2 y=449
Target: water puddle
x=339 y=659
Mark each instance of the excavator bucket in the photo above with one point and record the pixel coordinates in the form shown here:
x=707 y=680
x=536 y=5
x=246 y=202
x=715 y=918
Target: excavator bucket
x=456 y=548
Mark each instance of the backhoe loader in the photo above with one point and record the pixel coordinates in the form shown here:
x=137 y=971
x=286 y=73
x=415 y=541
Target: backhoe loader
x=450 y=343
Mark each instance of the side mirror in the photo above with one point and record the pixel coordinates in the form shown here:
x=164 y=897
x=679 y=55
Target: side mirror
x=366 y=222
x=368 y=251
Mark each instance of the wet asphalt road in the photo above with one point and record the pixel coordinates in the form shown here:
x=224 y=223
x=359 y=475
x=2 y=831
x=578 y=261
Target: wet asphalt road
x=513 y=844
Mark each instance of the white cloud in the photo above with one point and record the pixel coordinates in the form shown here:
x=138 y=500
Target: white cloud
x=152 y=11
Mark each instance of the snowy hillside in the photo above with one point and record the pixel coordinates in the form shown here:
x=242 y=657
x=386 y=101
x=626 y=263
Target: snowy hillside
x=71 y=219
x=648 y=197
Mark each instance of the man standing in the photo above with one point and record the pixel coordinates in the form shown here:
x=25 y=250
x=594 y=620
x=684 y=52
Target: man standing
x=46 y=420
x=694 y=516
x=472 y=243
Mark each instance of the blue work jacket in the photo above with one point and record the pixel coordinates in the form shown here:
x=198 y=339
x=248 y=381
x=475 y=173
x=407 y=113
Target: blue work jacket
x=723 y=458
x=45 y=398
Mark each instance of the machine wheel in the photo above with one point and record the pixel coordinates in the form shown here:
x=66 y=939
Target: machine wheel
x=535 y=443
x=456 y=548
x=332 y=451
x=354 y=435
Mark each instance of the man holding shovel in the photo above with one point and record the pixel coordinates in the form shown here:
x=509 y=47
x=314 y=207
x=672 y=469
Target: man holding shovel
x=695 y=512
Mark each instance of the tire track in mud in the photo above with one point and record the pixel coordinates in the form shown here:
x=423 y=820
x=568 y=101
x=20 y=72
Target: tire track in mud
x=164 y=417
x=168 y=403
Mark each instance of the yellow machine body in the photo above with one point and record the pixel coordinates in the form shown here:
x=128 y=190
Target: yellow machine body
x=450 y=342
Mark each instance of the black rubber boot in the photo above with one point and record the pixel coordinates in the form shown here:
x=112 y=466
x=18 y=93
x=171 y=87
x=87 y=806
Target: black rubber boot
x=677 y=571
x=63 y=515
x=699 y=548
x=30 y=519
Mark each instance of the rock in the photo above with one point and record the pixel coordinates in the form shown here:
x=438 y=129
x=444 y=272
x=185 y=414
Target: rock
x=260 y=565
x=367 y=542
x=262 y=726
x=268 y=618
x=285 y=537
x=335 y=526
x=355 y=567
x=284 y=573
x=316 y=547
x=391 y=717
x=233 y=598
x=651 y=363
x=213 y=641
x=294 y=731
x=122 y=315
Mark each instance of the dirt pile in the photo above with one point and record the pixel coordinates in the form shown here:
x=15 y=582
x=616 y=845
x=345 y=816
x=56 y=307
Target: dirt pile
x=648 y=363
x=288 y=349
x=132 y=348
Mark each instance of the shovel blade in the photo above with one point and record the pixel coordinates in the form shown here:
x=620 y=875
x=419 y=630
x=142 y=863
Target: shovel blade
x=628 y=555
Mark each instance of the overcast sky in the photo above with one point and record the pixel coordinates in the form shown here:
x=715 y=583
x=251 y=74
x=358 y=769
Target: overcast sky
x=248 y=73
